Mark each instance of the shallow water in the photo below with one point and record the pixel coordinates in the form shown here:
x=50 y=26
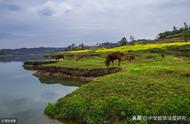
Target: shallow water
x=24 y=97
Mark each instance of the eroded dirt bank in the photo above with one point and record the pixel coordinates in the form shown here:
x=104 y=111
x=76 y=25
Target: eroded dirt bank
x=75 y=73
x=35 y=65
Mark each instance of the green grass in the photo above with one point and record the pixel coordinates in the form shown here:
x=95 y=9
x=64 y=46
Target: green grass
x=150 y=85
x=88 y=63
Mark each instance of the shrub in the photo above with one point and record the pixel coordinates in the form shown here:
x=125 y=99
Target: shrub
x=96 y=112
x=120 y=107
x=123 y=114
x=51 y=110
x=72 y=108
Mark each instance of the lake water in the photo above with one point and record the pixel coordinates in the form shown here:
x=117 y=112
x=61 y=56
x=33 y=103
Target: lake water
x=24 y=97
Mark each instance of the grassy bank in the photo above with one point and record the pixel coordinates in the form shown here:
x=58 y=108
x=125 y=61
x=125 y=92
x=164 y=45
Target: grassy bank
x=34 y=65
x=87 y=63
x=84 y=70
x=151 y=85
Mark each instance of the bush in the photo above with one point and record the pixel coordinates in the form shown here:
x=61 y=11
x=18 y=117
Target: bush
x=51 y=110
x=96 y=112
x=123 y=114
x=175 y=106
x=121 y=107
x=72 y=108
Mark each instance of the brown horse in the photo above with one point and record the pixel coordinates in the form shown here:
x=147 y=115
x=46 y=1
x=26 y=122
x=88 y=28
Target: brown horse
x=81 y=56
x=57 y=57
x=162 y=55
x=130 y=58
x=112 y=57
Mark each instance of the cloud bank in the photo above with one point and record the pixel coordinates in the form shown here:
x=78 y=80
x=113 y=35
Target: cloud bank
x=58 y=23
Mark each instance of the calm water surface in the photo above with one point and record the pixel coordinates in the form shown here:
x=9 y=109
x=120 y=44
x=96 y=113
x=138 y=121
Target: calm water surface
x=24 y=97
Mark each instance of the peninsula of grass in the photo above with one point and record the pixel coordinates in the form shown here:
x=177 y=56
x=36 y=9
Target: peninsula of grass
x=34 y=65
x=82 y=70
x=149 y=86
x=87 y=63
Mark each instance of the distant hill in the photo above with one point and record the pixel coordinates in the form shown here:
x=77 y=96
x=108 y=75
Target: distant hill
x=24 y=54
x=30 y=51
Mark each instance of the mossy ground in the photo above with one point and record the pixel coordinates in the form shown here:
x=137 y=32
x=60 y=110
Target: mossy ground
x=150 y=85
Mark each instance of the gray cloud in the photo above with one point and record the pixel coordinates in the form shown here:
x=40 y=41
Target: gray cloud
x=46 y=12
x=52 y=8
x=9 y=5
x=4 y=35
x=176 y=4
x=62 y=22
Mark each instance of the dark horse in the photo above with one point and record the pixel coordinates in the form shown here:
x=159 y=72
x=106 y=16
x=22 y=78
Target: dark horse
x=162 y=55
x=112 y=57
x=57 y=57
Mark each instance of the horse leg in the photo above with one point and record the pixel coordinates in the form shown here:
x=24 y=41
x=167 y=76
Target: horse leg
x=107 y=63
x=119 y=60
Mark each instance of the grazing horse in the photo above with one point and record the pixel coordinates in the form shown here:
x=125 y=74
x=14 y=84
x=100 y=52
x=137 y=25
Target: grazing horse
x=112 y=57
x=81 y=56
x=162 y=55
x=130 y=58
x=129 y=51
x=57 y=57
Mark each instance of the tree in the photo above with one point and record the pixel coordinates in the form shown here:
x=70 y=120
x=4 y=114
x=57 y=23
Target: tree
x=161 y=36
x=174 y=29
x=73 y=45
x=186 y=35
x=186 y=25
x=132 y=38
x=123 y=41
x=81 y=46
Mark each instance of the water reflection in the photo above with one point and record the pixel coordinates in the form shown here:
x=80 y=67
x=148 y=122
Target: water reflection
x=24 y=96
x=60 y=81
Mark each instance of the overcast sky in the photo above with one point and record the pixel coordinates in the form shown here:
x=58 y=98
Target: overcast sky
x=58 y=23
